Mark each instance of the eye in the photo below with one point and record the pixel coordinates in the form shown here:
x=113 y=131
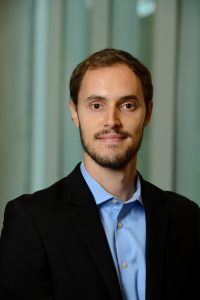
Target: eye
x=128 y=106
x=96 y=106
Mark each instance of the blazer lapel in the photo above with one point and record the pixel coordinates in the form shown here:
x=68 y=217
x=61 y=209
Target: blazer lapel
x=156 y=224
x=86 y=218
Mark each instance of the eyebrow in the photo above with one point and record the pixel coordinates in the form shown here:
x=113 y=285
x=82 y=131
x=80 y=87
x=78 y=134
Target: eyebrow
x=122 y=98
x=95 y=97
x=129 y=97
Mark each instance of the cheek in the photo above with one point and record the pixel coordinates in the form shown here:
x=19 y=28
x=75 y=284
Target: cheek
x=89 y=122
x=136 y=124
x=87 y=127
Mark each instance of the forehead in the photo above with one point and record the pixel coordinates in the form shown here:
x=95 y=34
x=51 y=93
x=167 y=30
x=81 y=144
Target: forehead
x=116 y=77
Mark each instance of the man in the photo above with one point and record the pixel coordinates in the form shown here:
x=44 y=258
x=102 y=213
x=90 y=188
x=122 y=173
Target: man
x=103 y=232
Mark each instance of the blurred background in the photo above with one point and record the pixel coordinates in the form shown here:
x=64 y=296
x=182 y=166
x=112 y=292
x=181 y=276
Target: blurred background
x=41 y=41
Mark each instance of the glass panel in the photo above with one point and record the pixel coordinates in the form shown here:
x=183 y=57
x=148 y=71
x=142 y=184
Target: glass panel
x=15 y=96
x=188 y=108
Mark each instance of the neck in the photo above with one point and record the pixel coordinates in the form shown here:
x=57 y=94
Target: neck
x=120 y=183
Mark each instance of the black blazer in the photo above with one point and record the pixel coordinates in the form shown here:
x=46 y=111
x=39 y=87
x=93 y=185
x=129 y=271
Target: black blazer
x=53 y=246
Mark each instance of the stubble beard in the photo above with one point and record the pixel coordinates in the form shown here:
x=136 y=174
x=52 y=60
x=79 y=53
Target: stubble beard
x=117 y=160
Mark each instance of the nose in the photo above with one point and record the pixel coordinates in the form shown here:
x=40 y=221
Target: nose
x=112 y=119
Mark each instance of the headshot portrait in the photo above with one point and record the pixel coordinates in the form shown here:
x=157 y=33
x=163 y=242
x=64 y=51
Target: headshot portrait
x=99 y=193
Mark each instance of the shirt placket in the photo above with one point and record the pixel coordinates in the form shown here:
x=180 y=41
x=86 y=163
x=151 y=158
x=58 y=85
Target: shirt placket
x=126 y=256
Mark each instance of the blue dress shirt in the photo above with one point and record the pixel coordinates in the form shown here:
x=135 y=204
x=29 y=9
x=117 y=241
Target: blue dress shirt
x=125 y=228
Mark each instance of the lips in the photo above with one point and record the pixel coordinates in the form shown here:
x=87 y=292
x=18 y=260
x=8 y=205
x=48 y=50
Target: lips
x=112 y=136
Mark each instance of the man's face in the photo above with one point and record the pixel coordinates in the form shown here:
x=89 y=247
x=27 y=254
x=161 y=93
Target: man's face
x=111 y=115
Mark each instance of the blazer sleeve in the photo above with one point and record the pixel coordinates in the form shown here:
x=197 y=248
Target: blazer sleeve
x=23 y=266
x=198 y=244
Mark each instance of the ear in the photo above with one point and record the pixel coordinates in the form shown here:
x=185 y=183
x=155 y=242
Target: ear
x=148 y=113
x=74 y=113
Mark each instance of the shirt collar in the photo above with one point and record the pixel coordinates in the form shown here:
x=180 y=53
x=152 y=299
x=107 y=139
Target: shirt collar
x=101 y=195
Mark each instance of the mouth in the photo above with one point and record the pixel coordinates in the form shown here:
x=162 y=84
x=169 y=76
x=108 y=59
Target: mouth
x=112 y=137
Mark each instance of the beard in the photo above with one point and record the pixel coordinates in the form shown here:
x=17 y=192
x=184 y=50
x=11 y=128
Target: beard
x=115 y=160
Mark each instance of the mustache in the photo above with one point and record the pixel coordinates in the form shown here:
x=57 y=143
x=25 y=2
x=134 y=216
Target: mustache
x=123 y=134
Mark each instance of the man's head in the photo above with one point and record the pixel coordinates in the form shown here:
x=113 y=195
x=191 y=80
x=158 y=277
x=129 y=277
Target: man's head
x=111 y=104
x=106 y=58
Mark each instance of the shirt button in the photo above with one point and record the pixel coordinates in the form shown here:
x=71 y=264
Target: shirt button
x=124 y=265
x=119 y=225
x=114 y=201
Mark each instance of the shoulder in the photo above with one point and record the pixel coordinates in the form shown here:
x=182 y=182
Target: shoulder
x=180 y=214
x=173 y=201
x=51 y=197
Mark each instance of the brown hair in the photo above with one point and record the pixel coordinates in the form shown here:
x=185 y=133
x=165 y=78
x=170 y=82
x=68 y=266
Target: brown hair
x=110 y=57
